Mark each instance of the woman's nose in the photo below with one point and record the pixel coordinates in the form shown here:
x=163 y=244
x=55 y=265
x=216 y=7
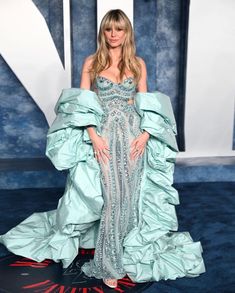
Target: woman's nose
x=113 y=32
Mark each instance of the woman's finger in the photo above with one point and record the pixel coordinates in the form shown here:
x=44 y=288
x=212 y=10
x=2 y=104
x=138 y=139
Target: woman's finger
x=133 y=143
x=97 y=158
x=136 y=152
x=106 y=153
x=104 y=156
x=133 y=152
x=141 y=152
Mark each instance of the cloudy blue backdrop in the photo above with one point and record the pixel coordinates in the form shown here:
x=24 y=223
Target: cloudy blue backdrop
x=160 y=33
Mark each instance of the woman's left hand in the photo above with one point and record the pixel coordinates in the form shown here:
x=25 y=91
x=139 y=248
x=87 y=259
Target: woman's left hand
x=138 y=145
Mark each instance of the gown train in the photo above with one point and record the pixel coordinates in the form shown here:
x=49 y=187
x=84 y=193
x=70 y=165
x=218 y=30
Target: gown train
x=149 y=248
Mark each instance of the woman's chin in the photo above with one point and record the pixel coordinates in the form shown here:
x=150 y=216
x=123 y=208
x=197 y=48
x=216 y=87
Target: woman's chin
x=114 y=45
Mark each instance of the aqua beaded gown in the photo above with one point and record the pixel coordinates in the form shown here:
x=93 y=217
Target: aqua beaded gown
x=121 y=177
x=124 y=209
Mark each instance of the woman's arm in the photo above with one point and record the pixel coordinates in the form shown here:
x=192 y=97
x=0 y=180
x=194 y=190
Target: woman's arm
x=86 y=84
x=142 y=85
x=139 y=143
x=85 y=74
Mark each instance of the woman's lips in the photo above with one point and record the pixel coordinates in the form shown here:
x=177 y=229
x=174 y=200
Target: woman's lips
x=113 y=41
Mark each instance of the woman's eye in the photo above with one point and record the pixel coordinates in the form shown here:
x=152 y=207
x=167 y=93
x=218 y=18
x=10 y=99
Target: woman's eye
x=117 y=29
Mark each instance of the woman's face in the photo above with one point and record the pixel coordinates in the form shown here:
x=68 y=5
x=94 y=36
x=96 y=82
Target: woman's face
x=114 y=36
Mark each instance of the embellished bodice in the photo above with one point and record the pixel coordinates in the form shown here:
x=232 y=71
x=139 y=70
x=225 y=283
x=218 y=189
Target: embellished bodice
x=115 y=96
x=117 y=102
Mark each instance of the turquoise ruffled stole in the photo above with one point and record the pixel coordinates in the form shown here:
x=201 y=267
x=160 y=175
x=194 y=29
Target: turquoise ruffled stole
x=153 y=250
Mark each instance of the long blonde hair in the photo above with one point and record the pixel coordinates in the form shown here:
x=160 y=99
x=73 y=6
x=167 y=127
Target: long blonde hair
x=101 y=59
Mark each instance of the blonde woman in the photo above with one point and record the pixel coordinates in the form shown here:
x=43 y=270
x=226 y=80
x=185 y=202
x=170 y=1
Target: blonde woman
x=118 y=142
x=114 y=72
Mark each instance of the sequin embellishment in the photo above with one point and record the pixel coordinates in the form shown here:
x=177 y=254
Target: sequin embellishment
x=120 y=178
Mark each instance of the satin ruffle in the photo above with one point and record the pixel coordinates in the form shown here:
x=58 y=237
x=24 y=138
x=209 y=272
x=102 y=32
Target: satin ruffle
x=152 y=250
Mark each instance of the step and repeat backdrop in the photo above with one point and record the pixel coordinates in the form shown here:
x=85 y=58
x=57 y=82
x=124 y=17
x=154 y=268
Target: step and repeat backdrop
x=188 y=47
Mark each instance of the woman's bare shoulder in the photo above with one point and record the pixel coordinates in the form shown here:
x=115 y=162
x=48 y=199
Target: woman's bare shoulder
x=85 y=75
x=142 y=64
x=141 y=60
x=142 y=85
x=88 y=61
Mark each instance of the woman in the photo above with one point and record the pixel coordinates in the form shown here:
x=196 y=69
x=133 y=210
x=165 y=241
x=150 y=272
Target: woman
x=118 y=142
x=104 y=70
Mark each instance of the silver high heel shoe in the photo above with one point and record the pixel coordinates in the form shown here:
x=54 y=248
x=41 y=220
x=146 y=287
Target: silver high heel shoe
x=109 y=282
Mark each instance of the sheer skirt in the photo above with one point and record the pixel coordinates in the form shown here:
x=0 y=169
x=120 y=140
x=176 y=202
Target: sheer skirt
x=120 y=180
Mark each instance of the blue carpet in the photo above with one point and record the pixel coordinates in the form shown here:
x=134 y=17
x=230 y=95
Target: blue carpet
x=206 y=210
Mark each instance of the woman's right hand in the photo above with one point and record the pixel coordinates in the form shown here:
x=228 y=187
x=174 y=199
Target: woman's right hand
x=101 y=148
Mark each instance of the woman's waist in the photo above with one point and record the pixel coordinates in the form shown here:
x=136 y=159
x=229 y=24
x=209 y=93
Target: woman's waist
x=121 y=109
x=116 y=102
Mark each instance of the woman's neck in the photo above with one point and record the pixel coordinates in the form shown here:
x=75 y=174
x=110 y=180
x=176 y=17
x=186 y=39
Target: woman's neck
x=115 y=54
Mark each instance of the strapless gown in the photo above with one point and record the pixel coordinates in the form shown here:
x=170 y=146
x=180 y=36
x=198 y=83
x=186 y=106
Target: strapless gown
x=124 y=209
x=121 y=177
